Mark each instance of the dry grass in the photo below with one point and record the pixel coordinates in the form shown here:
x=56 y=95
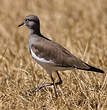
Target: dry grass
x=78 y=25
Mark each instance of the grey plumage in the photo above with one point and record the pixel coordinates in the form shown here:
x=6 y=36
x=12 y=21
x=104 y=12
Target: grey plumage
x=49 y=54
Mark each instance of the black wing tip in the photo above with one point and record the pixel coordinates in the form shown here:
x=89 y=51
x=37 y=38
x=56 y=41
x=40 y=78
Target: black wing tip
x=96 y=70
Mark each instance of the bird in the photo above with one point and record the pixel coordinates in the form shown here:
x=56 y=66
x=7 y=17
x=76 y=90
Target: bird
x=50 y=55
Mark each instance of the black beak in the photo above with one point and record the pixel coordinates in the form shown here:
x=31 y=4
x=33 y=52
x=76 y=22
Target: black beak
x=21 y=24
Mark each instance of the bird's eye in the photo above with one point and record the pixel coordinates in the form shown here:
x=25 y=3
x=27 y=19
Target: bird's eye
x=26 y=19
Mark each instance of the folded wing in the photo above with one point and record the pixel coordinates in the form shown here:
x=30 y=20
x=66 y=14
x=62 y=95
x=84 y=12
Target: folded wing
x=59 y=56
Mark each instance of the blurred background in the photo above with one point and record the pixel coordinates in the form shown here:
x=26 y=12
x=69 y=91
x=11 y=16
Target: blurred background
x=78 y=25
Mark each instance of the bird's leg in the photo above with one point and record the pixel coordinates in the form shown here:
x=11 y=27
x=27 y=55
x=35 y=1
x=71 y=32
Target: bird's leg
x=54 y=85
x=33 y=90
x=60 y=80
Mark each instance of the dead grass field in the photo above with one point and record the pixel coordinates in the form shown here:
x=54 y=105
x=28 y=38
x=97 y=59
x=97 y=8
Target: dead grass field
x=78 y=25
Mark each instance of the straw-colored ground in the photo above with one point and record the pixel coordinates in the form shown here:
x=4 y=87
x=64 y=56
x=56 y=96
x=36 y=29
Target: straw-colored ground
x=78 y=25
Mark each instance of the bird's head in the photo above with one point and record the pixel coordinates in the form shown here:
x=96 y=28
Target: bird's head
x=31 y=21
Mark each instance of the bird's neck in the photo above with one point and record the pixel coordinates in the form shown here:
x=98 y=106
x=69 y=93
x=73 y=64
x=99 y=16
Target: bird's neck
x=35 y=31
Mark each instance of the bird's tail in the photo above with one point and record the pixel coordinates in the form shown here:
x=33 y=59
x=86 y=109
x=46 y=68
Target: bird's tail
x=91 y=68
